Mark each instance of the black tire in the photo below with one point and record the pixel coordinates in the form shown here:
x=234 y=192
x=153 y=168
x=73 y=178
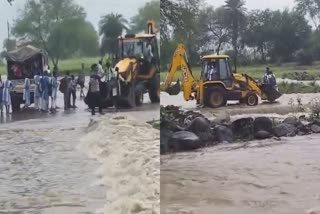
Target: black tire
x=154 y=88
x=252 y=99
x=139 y=95
x=216 y=96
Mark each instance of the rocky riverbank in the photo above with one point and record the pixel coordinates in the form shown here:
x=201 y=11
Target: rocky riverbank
x=189 y=130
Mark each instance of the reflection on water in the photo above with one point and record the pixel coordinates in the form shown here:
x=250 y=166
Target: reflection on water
x=278 y=177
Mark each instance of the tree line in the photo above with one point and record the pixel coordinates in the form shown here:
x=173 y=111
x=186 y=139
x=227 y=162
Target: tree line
x=248 y=36
x=60 y=27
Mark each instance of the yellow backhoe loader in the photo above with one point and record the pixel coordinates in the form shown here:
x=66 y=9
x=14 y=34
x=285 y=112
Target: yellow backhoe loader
x=217 y=83
x=136 y=71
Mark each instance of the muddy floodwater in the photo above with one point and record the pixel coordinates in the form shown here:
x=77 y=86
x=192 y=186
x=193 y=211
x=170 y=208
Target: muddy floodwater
x=278 y=177
x=44 y=167
x=269 y=177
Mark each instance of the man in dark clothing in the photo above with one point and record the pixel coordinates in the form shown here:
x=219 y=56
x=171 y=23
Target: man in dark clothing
x=94 y=94
x=72 y=87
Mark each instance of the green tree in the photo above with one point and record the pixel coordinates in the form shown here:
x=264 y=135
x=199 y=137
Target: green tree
x=169 y=13
x=150 y=11
x=73 y=36
x=40 y=20
x=236 y=12
x=310 y=8
x=260 y=32
x=291 y=33
x=214 y=30
x=111 y=26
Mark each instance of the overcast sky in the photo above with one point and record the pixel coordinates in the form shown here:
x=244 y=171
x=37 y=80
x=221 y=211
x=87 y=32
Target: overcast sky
x=96 y=8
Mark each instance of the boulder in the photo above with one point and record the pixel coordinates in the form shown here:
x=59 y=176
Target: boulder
x=262 y=134
x=315 y=128
x=285 y=130
x=243 y=128
x=261 y=127
x=223 y=134
x=303 y=129
x=183 y=141
x=165 y=135
x=199 y=125
x=291 y=120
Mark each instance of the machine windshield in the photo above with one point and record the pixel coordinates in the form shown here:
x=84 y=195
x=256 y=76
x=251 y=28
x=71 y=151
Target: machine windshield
x=132 y=48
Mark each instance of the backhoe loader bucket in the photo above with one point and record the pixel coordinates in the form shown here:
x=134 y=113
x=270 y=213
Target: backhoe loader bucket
x=175 y=89
x=271 y=92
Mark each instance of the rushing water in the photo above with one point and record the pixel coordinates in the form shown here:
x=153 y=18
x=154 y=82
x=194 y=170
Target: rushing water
x=130 y=157
x=44 y=170
x=278 y=177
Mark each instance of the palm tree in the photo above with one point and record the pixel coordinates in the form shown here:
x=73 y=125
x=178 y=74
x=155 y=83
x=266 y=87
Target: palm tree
x=110 y=27
x=236 y=15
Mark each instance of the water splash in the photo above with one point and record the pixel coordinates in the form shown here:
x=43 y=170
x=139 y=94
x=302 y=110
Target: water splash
x=129 y=153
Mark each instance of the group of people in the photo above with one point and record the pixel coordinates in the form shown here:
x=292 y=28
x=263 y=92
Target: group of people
x=46 y=87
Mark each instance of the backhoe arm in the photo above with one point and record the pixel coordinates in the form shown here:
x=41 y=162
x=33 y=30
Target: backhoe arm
x=179 y=61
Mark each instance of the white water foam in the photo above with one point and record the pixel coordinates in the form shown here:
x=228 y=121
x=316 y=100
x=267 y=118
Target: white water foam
x=130 y=156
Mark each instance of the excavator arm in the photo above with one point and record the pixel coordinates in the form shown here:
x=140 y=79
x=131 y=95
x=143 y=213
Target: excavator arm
x=180 y=62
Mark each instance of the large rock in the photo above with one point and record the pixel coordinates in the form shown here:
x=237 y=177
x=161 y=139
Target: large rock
x=165 y=135
x=183 y=141
x=262 y=134
x=291 y=120
x=199 y=125
x=302 y=129
x=223 y=134
x=285 y=130
x=315 y=128
x=262 y=128
x=243 y=128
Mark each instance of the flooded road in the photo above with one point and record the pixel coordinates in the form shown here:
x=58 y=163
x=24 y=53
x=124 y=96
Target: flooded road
x=276 y=177
x=280 y=107
x=269 y=177
x=45 y=169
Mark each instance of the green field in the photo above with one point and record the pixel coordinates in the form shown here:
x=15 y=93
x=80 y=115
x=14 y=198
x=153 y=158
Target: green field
x=257 y=71
x=72 y=65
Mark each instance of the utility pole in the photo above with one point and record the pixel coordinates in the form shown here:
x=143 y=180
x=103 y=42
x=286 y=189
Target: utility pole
x=8 y=25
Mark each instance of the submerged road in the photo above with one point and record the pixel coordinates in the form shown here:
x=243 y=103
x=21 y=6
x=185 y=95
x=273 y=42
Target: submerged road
x=43 y=170
x=270 y=176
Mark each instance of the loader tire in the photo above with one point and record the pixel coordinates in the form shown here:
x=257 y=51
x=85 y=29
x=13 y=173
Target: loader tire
x=216 y=97
x=252 y=99
x=154 y=89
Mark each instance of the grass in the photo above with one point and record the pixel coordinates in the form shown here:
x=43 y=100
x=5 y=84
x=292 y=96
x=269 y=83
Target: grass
x=257 y=71
x=72 y=65
x=290 y=88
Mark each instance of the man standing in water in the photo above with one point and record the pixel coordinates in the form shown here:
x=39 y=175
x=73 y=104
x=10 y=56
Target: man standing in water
x=64 y=88
x=37 y=92
x=94 y=94
x=1 y=89
x=26 y=93
x=45 y=92
x=72 y=87
x=54 y=85
x=6 y=98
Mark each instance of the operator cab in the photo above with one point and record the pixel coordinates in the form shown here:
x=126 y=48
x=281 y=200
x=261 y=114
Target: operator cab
x=142 y=47
x=216 y=68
